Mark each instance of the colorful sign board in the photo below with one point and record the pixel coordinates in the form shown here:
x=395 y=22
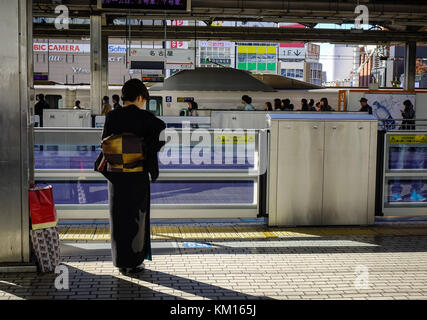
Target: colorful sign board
x=257 y=58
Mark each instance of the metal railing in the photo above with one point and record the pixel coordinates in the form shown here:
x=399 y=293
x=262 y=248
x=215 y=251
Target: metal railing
x=402 y=124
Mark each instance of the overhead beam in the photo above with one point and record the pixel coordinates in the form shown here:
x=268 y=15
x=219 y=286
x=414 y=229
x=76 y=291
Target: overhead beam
x=186 y=33
x=407 y=12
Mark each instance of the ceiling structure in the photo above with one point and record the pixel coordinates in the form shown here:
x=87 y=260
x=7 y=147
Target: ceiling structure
x=395 y=21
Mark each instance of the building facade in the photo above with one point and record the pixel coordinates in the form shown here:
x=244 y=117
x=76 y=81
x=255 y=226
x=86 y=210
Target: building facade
x=299 y=60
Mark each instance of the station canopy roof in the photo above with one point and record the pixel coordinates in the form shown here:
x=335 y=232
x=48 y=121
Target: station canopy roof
x=213 y=79
x=392 y=20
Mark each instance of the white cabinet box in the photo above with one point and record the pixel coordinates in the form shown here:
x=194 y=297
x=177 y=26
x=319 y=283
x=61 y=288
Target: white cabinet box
x=322 y=169
x=62 y=118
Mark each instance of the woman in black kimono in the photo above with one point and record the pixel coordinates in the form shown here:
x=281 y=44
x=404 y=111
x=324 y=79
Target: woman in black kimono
x=129 y=192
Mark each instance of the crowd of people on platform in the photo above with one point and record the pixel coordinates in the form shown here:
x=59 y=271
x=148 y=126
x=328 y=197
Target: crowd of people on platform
x=408 y=113
x=306 y=105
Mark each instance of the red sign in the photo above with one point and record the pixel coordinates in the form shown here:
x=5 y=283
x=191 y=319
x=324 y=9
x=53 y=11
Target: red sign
x=177 y=23
x=292 y=44
x=61 y=47
x=177 y=45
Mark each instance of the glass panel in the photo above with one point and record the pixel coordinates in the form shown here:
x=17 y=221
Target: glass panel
x=65 y=156
x=153 y=105
x=162 y=192
x=406 y=190
x=78 y=192
x=407 y=158
x=202 y=192
x=61 y=150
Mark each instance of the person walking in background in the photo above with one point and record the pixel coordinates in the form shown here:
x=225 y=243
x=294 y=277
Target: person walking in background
x=365 y=106
x=247 y=102
x=116 y=102
x=268 y=106
x=40 y=106
x=408 y=113
x=131 y=141
x=106 y=106
x=277 y=104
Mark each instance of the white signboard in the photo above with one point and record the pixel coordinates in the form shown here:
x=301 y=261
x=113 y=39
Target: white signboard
x=291 y=53
x=216 y=44
x=148 y=54
x=180 y=59
x=173 y=58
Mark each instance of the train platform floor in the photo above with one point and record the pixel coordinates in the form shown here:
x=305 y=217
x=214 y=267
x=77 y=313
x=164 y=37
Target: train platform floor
x=221 y=261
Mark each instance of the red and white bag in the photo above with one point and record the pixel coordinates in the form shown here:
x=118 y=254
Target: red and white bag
x=44 y=234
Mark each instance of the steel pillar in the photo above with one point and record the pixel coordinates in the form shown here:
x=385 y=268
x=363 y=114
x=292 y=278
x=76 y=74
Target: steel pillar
x=15 y=83
x=410 y=60
x=99 y=64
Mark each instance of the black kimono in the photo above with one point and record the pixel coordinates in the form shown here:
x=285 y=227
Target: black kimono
x=129 y=193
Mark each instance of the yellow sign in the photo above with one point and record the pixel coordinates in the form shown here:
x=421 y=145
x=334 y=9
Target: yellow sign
x=234 y=138
x=408 y=139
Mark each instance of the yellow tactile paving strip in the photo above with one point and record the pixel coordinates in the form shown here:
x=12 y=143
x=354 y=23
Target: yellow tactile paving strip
x=237 y=232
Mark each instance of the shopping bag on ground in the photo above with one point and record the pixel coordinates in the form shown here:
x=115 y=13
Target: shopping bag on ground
x=42 y=208
x=44 y=234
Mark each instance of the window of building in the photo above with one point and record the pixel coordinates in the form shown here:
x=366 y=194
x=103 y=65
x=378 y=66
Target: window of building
x=299 y=73
x=290 y=73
